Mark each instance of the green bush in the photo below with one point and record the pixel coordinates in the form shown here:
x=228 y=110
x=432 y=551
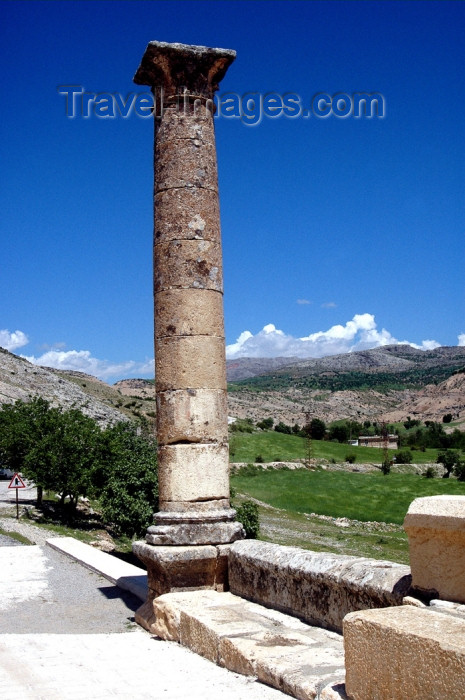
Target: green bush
x=459 y=470
x=404 y=457
x=351 y=458
x=259 y=459
x=429 y=473
x=283 y=428
x=247 y=514
x=265 y=424
x=249 y=470
x=129 y=494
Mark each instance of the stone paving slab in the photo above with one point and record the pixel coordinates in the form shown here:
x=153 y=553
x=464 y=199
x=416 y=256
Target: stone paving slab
x=278 y=649
x=126 y=576
x=124 y=666
x=67 y=633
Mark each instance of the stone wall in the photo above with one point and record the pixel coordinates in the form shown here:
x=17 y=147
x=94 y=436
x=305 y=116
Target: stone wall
x=318 y=587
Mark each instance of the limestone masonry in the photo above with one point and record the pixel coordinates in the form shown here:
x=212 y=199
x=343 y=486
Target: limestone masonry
x=192 y=428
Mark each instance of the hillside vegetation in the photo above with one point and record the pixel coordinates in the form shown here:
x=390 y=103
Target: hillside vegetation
x=349 y=372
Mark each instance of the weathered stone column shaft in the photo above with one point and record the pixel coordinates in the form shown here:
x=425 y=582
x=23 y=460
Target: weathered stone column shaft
x=190 y=364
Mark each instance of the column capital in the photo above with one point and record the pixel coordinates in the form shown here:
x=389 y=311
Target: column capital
x=177 y=68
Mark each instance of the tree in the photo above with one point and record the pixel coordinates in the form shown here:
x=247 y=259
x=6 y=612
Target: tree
x=55 y=448
x=410 y=423
x=128 y=476
x=283 y=428
x=447 y=418
x=265 y=424
x=386 y=467
x=449 y=459
x=316 y=428
x=340 y=433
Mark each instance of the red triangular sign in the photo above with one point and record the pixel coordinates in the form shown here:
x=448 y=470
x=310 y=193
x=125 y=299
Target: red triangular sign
x=16 y=482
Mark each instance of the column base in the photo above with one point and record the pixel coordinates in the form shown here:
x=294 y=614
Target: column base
x=195 y=528
x=171 y=569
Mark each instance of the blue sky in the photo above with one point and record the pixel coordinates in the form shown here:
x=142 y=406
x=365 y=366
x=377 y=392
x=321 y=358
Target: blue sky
x=338 y=233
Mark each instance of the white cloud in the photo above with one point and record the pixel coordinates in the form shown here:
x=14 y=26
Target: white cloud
x=83 y=361
x=461 y=339
x=12 y=341
x=425 y=345
x=360 y=333
x=329 y=305
x=235 y=348
x=303 y=301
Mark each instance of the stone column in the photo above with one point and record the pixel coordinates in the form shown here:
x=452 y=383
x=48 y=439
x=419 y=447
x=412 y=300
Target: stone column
x=190 y=365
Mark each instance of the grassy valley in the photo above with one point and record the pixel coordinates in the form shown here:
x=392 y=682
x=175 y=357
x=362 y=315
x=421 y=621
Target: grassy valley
x=271 y=446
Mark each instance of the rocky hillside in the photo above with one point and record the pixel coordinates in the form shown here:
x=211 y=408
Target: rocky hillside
x=19 y=379
x=246 y=367
x=434 y=401
x=398 y=362
x=391 y=383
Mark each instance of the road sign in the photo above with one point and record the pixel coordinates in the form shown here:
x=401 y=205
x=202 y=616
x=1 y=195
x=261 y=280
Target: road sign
x=16 y=482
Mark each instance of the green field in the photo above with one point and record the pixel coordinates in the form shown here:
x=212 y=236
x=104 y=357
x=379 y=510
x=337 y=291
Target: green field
x=379 y=504
x=371 y=496
x=279 y=447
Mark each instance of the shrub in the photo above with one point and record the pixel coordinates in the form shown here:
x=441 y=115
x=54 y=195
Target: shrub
x=249 y=470
x=459 y=470
x=265 y=424
x=404 y=457
x=429 y=473
x=351 y=458
x=242 y=426
x=259 y=459
x=247 y=514
x=283 y=428
x=447 y=418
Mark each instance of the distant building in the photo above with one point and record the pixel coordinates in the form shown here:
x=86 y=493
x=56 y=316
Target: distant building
x=378 y=441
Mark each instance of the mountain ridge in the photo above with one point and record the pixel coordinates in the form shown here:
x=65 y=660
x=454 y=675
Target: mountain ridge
x=284 y=391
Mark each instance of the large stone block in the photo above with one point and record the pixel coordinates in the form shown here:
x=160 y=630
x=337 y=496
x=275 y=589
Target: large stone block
x=278 y=650
x=435 y=526
x=191 y=264
x=404 y=653
x=190 y=362
x=318 y=587
x=189 y=312
x=185 y=163
x=192 y=415
x=187 y=214
x=193 y=472
x=182 y=568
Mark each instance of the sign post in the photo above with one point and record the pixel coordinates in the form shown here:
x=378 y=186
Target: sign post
x=17 y=483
